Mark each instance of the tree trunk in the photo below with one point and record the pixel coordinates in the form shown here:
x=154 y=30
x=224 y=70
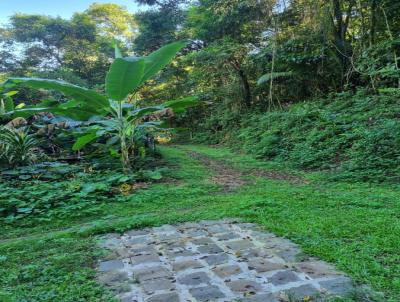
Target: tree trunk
x=340 y=22
x=373 y=22
x=247 y=97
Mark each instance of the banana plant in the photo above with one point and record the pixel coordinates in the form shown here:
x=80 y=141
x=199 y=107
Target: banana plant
x=113 y=112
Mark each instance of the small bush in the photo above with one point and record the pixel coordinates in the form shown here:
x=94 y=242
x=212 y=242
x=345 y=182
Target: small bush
x=18 y=147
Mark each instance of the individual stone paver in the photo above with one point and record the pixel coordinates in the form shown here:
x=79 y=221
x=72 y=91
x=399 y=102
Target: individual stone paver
x=115 y=277
x=206 y=293
x=111 y=265
x=194 y=279
x=185 y=265
x=244 y=286
x=151 y=273
x=216 y=259
x=261 y=265
x=152 y=286
x=139 y=259
x=203 y=241
x=284 y=277
x=227 y=270
x=219 y=261
x=340 y=286
x=317 y=269
x=137 y=240
x=261 y=298
x=210 y=249
x=180 y=253
x=170 y=297
x=196 y=233
x=227 y=236
x=301 y=292
x=240 y=245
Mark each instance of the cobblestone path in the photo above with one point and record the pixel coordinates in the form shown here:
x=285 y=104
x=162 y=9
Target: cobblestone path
x=214 y=261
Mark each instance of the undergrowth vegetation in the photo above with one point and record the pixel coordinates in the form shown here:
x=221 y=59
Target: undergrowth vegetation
x=353 y=136
x=40 y=193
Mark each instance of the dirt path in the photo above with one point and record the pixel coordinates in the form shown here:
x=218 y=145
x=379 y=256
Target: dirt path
x=231 y=179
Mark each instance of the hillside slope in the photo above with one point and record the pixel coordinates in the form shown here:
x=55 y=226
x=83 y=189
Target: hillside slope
x=356 y=137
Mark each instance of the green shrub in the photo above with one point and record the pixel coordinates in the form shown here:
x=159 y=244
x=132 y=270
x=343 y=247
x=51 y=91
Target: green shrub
x=18 y=147
x=56 y=190
x=376 y=154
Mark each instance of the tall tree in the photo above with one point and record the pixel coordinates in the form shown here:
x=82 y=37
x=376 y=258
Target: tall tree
x=83 y=45
x=112 y=21
x=42 y=39
x=158 y=25
x=243 y=21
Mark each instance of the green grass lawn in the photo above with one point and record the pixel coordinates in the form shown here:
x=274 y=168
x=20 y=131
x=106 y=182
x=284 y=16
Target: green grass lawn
x=354 y=226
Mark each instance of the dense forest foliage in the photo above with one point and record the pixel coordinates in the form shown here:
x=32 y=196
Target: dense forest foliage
x=312 y=83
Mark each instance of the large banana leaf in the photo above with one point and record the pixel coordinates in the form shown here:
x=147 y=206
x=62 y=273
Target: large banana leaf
x=84 y=102
x=76 y=112
x=124 y=77
x=80 y=94
x=157 y=60
x=177 y=106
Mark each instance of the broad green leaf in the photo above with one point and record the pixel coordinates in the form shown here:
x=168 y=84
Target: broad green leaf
x=76 y=113
x=123 y=78
x=30 y=111
x=83 y=141
x=77 y=93
x=157 y=60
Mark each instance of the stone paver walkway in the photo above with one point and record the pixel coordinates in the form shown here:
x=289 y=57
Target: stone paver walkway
x=214 y=261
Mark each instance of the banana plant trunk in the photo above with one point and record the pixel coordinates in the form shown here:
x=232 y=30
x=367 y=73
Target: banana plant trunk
x=126 y=164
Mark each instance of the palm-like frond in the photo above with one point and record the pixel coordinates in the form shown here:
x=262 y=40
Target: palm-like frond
x=274 y=75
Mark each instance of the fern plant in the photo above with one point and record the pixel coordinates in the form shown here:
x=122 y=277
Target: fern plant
x=17 y=146
x=274 y=75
